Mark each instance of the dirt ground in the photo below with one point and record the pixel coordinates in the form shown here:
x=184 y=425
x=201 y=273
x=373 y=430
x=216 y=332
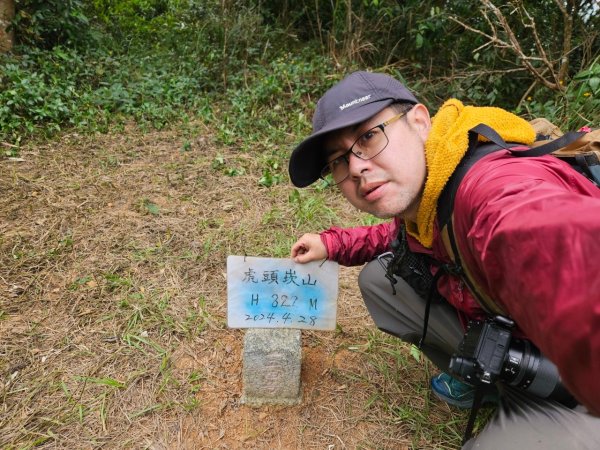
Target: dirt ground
x=113 y=309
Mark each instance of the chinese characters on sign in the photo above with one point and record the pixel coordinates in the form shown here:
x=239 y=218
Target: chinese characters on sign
x=278 y=293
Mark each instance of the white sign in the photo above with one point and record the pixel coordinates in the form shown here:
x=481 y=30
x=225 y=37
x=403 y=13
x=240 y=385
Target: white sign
x=279 y=293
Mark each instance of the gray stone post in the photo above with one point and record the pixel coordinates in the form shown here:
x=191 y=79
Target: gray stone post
x=272 y=361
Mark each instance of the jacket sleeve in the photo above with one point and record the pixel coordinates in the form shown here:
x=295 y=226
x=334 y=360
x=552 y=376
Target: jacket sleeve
x=356 y=246
x=530 y=232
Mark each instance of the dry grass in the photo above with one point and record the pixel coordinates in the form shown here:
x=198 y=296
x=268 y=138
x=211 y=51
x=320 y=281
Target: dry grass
x=113 y=302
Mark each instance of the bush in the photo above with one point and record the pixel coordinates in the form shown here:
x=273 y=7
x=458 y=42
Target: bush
x=48 y=23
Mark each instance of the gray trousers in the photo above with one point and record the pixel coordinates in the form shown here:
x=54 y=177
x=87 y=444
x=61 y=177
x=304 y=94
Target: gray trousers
x=521 y=421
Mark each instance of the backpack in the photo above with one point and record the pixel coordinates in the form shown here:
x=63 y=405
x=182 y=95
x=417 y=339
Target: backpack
x=580 y=149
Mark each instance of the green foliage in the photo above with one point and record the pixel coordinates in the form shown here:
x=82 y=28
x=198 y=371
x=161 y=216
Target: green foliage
x=47 y=23
x=434 y=50
x=46 y=90
x=583 y=95
x=253 y=70
x=150 y=207
x=266 y=94
x=154 y=21
x=39 y=88
x=579 y=106
x=310 y=210
x=212 y=59
x=270 y=176
x=135 y=16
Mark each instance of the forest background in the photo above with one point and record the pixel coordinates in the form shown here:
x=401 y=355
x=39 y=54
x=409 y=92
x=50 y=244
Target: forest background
x=143 y=141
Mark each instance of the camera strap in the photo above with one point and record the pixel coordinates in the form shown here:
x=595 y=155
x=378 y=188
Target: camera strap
x=414 y=269
x=430 y=295
x=480 y=391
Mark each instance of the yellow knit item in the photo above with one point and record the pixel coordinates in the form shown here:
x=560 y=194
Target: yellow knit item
x=446 y=145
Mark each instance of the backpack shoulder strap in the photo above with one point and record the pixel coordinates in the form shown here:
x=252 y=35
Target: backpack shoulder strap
x=475 y=152
x=551 y=146
x=484 y=300
x=445 y=209
x=580 y=149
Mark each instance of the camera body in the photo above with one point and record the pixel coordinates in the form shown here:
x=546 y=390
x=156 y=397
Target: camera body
x=489 y=353
x=482 y=352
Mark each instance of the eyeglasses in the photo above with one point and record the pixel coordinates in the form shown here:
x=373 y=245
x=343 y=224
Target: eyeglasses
x=368 y=145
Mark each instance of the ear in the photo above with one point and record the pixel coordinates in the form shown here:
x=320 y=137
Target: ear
x=419 y=120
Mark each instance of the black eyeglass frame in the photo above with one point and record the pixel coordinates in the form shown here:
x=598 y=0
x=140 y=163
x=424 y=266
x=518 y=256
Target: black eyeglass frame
x=325 y=171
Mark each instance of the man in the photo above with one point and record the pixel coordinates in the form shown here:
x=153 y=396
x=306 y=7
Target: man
x=527 y=228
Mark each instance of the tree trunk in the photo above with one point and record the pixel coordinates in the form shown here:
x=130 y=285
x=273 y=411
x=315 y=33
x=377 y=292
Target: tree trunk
x=7 y=14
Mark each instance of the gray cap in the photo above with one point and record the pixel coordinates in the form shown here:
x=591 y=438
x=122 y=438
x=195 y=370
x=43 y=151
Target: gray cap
x=353 y=100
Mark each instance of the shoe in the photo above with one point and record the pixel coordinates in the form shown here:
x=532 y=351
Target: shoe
x=458 y=394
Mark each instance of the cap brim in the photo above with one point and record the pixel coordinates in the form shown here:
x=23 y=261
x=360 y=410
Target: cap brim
x=308 y=158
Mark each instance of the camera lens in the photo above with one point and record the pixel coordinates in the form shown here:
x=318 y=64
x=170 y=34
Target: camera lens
x=526 y=368
x=462 y=367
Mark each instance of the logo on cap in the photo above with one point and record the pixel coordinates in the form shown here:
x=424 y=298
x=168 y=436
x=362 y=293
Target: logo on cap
x=354 y=102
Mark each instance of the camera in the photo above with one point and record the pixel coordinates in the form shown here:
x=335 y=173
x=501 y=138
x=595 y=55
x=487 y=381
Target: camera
x=489 y=353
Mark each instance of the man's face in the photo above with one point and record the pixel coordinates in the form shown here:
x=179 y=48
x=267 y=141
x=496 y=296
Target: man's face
x=391 y=183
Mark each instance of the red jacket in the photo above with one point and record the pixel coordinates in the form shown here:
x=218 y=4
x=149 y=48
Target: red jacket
x=529 y=230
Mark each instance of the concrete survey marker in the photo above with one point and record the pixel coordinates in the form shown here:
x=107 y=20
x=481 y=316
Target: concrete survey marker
x=279 y=293
x=276 y=298
x=272 y=363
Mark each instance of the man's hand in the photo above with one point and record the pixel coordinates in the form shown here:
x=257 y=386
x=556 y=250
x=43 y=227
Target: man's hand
x=308 y=248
